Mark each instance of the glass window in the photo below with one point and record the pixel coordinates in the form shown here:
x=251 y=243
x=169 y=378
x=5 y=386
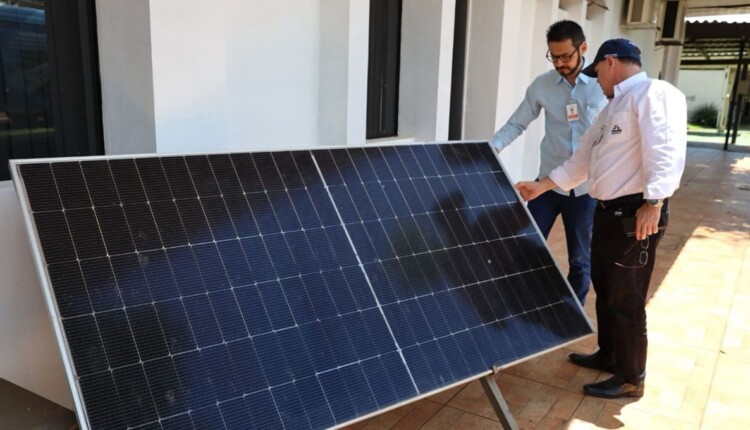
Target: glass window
x=49 y=84
x=26 y=128
x=382 y=75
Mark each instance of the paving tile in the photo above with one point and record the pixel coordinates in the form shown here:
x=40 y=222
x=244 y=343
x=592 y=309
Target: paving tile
x=675 y=395
x=445 y=419
x=566 y=405
x=472 y=399
x=419 y=415
x=728 y=399
x=444 y=397
x=589 y=409
x=633 y=418
x=551 y=423
x=697 y=331
x=736 y=341
x=474 y=422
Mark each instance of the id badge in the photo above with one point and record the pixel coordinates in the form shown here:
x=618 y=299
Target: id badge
x=572 y=110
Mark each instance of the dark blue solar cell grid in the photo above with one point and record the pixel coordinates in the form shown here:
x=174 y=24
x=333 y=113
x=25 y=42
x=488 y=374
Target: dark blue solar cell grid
x=299 y=289
x=451 y=237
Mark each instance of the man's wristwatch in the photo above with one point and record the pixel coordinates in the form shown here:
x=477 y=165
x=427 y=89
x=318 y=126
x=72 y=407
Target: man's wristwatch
x=655 y=203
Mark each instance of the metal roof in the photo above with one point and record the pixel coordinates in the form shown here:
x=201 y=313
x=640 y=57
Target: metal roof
x=730 y=19
x=714 y=43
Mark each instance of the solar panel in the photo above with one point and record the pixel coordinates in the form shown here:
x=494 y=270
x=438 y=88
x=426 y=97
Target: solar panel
x=290 y=289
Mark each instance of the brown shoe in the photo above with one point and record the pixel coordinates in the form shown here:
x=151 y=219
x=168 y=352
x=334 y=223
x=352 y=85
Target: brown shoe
x=615 y=387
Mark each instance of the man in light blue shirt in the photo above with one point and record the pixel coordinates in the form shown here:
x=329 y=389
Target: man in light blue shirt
x=571 y=103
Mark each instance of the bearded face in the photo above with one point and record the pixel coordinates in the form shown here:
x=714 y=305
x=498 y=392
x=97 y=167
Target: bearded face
x=566 y=57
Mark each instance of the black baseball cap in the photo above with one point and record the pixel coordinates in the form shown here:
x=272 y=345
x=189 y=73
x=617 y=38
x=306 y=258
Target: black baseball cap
x=620 y=48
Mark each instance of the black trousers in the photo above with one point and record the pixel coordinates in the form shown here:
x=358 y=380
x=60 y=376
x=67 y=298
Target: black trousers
x=621 y=269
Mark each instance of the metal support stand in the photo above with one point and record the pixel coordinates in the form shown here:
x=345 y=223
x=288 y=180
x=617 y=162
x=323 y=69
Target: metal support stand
x=733 y=119
x=498 y=403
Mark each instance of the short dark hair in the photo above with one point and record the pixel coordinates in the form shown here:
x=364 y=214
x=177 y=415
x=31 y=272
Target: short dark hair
x=628 y=60
x=564 y=30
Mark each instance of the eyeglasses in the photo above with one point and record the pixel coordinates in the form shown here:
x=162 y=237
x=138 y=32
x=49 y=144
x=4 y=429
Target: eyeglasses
x=642 y=257
x=552 y=58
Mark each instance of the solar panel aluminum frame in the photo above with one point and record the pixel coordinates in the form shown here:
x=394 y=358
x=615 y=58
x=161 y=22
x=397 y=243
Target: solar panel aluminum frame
x=46 y=285
x=56 y=317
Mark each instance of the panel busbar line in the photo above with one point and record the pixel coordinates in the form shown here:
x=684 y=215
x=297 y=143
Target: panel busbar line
x=290 y=289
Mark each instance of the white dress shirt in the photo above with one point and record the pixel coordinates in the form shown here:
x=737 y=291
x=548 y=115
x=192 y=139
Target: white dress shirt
x=637 y=145
x=553 y=94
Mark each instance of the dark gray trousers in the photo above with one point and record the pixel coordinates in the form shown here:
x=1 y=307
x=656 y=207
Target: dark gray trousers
x=621 y=269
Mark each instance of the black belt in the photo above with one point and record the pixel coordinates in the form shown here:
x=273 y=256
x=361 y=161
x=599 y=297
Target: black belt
x=620 y=201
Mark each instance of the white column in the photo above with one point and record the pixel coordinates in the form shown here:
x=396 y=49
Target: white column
x=188 y=47
x=505 y=53
x=124 y=38
x=671 y=64
x=426 y=60
x=356 y=120
x=344 y=43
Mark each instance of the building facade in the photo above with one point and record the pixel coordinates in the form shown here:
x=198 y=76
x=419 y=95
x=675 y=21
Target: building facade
x=239 y=75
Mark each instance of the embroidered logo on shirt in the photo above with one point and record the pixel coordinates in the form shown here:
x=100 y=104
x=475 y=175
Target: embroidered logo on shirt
x=616 y=130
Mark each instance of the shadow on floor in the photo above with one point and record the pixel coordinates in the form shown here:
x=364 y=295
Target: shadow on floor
x=22 y=409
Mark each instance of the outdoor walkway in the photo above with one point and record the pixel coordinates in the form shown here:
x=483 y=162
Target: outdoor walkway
x=698 y=321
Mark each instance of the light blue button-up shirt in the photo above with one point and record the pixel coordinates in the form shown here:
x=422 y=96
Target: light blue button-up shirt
x=552 y=92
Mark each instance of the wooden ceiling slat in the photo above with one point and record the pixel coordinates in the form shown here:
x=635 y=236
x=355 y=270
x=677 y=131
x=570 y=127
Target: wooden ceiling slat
x=719 y=41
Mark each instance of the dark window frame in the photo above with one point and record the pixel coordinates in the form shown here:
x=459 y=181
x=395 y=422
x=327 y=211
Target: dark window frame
x=383 y=68
x=458 y=74
x=75 y=88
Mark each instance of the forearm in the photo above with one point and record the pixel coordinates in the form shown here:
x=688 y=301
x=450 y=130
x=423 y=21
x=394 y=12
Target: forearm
x=531 y=190
x=526 y=112
x=547 y=184
x=507 y=134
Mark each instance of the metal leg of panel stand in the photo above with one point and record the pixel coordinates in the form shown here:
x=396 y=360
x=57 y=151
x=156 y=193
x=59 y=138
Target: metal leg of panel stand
x=498 y=403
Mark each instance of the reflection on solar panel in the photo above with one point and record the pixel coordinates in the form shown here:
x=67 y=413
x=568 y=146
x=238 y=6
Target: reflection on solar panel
x=301 y=289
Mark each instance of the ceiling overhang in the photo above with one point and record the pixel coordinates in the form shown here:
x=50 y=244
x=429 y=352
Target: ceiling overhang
x=715 y=43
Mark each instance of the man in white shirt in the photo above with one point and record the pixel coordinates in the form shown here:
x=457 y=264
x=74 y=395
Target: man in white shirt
x=633 y=157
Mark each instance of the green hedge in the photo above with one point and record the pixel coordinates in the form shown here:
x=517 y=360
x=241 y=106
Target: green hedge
x=705 y=115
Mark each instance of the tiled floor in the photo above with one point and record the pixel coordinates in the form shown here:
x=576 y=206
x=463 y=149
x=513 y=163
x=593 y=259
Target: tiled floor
x=21 y=409
x=699 y=331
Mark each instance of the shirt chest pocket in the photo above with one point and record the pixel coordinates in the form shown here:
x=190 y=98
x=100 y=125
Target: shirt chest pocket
x=620 y=127
x=592 y=111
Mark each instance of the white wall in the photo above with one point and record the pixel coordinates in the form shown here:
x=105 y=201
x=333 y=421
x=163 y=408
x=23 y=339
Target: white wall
x=189 y=43
x=426 y=58
x=126 y=71
x=232 y=75
x=703 y=86
x=299 y=77
x=272 y=67
x=221 y=76
x=517 y=71
x=482 y=82
x=342 y=97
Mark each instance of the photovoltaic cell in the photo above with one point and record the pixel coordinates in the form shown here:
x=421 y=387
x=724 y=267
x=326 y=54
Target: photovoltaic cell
x=301 y=289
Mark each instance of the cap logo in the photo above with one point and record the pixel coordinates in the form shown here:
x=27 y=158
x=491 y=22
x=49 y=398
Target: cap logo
x=616 y=130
